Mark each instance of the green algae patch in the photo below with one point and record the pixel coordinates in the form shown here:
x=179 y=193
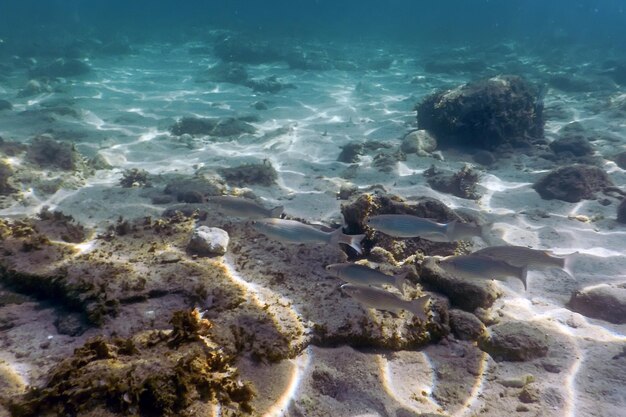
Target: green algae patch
x=153 y=373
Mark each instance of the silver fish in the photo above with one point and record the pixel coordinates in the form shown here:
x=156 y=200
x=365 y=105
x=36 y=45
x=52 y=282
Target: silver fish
x=522 y=256
x=362 y=275
x=243 y=207
x=481 y=267
x=291 y=231
x=407 y=225
x=384 y=300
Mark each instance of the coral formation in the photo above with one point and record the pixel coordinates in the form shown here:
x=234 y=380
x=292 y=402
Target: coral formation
x=135 y=177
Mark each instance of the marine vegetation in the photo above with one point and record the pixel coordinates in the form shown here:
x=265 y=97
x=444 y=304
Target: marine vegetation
x=153 y=373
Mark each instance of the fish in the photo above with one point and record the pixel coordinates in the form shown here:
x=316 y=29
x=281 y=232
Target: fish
x=292 y=231
x=482 y=267
x=384 y=300
x=362 y=275
x=522 y=256
x=243 y=207
x=407 y=226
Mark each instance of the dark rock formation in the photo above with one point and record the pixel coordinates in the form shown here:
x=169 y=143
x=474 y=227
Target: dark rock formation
x=350 y=153
x=467 y=295
x=576 y=144
x=184 y=189
x=573 y=183
x=248 y=174
x=48 y=153
x=135 y=177
x=356 y=212
x=514 y=341
x=605 y=302
x=465 y=326
x=461 y=184
x=5 y=105
x=484 y=114
x=225 y=127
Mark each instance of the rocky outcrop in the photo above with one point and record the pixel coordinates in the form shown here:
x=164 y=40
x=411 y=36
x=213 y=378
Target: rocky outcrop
x=514 y=341
x=573 y=183
x=484 y=114
x=226 y=127
x=605 y=302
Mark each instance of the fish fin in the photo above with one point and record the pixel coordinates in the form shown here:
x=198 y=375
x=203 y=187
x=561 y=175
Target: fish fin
x=354 y=241
x=417 y=307
x=276 y=212
x=400 y=280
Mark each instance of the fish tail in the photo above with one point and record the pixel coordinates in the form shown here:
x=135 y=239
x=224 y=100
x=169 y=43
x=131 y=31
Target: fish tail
x=523 y=275
x=568 y=262
x=450 y=228
x=354 y=241
x=417 y=307
x=276 y=212
x=400 y=280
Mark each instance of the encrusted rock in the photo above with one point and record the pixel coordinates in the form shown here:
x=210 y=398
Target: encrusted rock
x=465 y=326
x=467 y=295
x=484 y=114
x=356 y=213
x=49 y=153
x=514 y=341
x=573 y=183
x=248 y=174
x=5 y=179
x=208 y=241
x=604 y=301
x=576 y=145
x=420 y=142
x=184 y=188
x=461 y=184
x=211 y=127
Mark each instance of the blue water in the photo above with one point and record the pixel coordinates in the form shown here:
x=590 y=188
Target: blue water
x=586 y=21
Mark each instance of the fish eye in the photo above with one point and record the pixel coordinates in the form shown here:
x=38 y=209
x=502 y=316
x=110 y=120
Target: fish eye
x=327 y=267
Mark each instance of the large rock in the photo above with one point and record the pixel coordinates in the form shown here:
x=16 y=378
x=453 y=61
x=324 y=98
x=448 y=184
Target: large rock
x=48 y=153
x=465 y=326
x=573 y=183
x=514 y=341
x=466 y=295
x=420 y=142
x=484 y=114
x=211 y=127
x=604 y=302
x=577 y=145
x=356 y=212
x=208 y=241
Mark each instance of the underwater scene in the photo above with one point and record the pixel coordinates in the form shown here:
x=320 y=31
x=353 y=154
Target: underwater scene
x=312 y=208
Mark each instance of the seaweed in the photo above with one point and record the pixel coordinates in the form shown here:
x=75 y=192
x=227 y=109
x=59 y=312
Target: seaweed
x=153 y=373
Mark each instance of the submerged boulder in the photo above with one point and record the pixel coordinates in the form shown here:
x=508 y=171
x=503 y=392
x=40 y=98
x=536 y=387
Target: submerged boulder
x=605 y=302
x=514 y=341
x=484 y=114
x=461 y=183
x=208 y=241
x=420 y=142
x=225 y=127
x=573 y=183
x=49 y=153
